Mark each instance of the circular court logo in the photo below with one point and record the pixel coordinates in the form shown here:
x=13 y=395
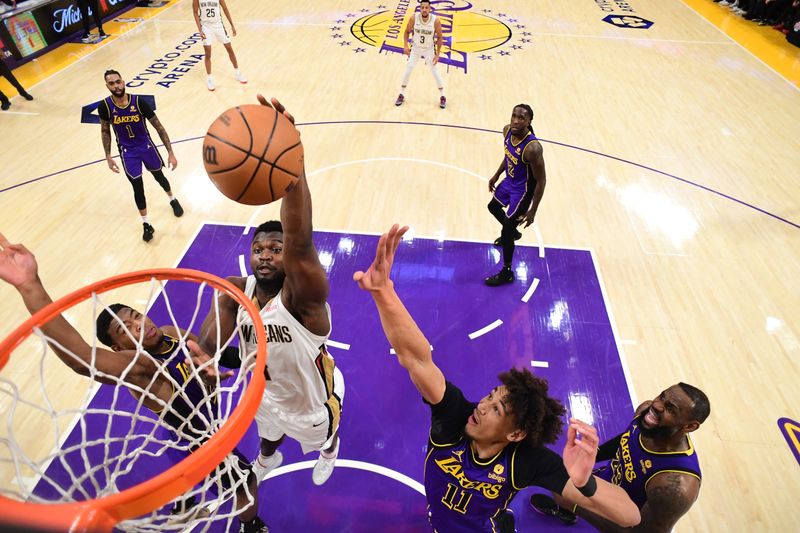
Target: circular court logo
x=467 y=31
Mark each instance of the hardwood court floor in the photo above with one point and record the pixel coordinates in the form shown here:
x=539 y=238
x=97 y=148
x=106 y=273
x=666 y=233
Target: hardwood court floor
x=670 y=151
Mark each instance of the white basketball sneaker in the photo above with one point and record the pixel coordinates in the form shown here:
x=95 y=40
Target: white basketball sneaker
x=261 y=468
x=324 y=467
x=240 y=77
x=210 y=84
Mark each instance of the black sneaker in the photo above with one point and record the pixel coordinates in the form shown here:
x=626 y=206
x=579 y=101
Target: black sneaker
x=26 y=96
x=547 y=506
x=177 y=210
x=148 y=232
x=256 y=526
x=517 y=236
x=5 y=104
x=400 y=100
x=506 y=275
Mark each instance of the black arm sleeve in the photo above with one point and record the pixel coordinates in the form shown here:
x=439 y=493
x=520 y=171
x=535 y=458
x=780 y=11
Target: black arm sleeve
x=145 y=108
x=229 y=358
x=102 y=110
x=608 y=449
x=538 y=466
x=449 y=417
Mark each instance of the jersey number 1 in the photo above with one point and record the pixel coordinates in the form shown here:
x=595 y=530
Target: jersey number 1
x=456 y=504
x=130 y=131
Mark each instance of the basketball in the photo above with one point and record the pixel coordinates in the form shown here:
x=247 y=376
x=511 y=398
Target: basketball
x=253 y=154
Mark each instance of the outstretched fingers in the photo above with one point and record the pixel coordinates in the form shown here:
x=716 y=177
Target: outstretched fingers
x=276 y=105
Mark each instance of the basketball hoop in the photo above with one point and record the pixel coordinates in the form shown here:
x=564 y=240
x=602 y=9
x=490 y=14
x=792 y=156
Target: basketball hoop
x=105 y=512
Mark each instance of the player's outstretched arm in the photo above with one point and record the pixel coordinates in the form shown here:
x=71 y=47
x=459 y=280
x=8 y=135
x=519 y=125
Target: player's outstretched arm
x=608 y=500
x=219 y=323
x=306 y=285
x=412 y=348
x=18 y=267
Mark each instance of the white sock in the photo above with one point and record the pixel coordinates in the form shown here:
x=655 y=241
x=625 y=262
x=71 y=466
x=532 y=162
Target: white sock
x=170 y=197
x=145 y=219
x=238 y=72
x=441 y=91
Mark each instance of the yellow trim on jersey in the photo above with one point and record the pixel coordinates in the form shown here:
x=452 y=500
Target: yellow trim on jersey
x=430 y=438
x=521 y=140
x=690 y=451
x=477 y=462
x=674 y=472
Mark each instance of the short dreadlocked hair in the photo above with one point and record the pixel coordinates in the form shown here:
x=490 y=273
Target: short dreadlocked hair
x=534 y=412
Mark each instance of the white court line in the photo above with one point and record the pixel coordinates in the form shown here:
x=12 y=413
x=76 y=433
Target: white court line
x=18 y=112
x=626 y=372
x=628 y=341
x=486 y=329
x=340 y=345
x=634 y=39
x=540 y=364
x=530 y=290
x=392 y=352
x=358 y=465
x=734 y=41
x=242 y=269
x=539 y=239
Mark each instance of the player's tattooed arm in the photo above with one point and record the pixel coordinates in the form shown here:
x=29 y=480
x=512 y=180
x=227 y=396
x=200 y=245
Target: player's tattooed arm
x=162 y=133
x=669 y=496
x=105 y=134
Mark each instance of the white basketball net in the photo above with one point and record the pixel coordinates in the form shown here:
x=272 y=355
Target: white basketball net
x=51 y=453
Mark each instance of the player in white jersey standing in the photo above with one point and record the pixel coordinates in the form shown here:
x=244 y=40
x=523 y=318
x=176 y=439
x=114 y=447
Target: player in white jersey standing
x=208 y=17
x=427 y=30
x=304 y=393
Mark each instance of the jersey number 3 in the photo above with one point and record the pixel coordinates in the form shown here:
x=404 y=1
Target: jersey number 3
x=456 y=499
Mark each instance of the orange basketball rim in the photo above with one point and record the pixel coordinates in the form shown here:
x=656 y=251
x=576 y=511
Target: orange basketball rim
x=103 y=514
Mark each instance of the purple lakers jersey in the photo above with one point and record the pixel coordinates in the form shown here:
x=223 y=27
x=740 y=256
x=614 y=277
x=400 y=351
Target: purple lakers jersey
x=191 y=407
x=516 y=167
x=128 y=122
x=634 y=465
x=464 y=493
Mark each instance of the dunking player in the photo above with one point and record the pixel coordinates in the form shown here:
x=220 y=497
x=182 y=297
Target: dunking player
x=653 y=460
x=480 y=455
x=521 y=190
x=155 y=369
x=303 y=398
x=126 y=112
x=427 y=30
x=208 y=17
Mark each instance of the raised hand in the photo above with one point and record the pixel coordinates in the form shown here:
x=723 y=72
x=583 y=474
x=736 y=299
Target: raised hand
x=377 y=275
x=209 y=373
x=580 y=451
x=17 y=264
x=276 y=105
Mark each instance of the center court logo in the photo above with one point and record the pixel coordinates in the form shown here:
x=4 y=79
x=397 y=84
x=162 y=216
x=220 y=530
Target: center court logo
x=468 y=31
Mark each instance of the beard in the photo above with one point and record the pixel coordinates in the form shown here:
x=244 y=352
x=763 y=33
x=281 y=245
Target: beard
x=270 y=283
x=658 y=433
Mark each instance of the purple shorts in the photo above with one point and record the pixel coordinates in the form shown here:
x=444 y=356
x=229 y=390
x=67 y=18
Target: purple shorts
x=515 y=199
x=133 y=158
